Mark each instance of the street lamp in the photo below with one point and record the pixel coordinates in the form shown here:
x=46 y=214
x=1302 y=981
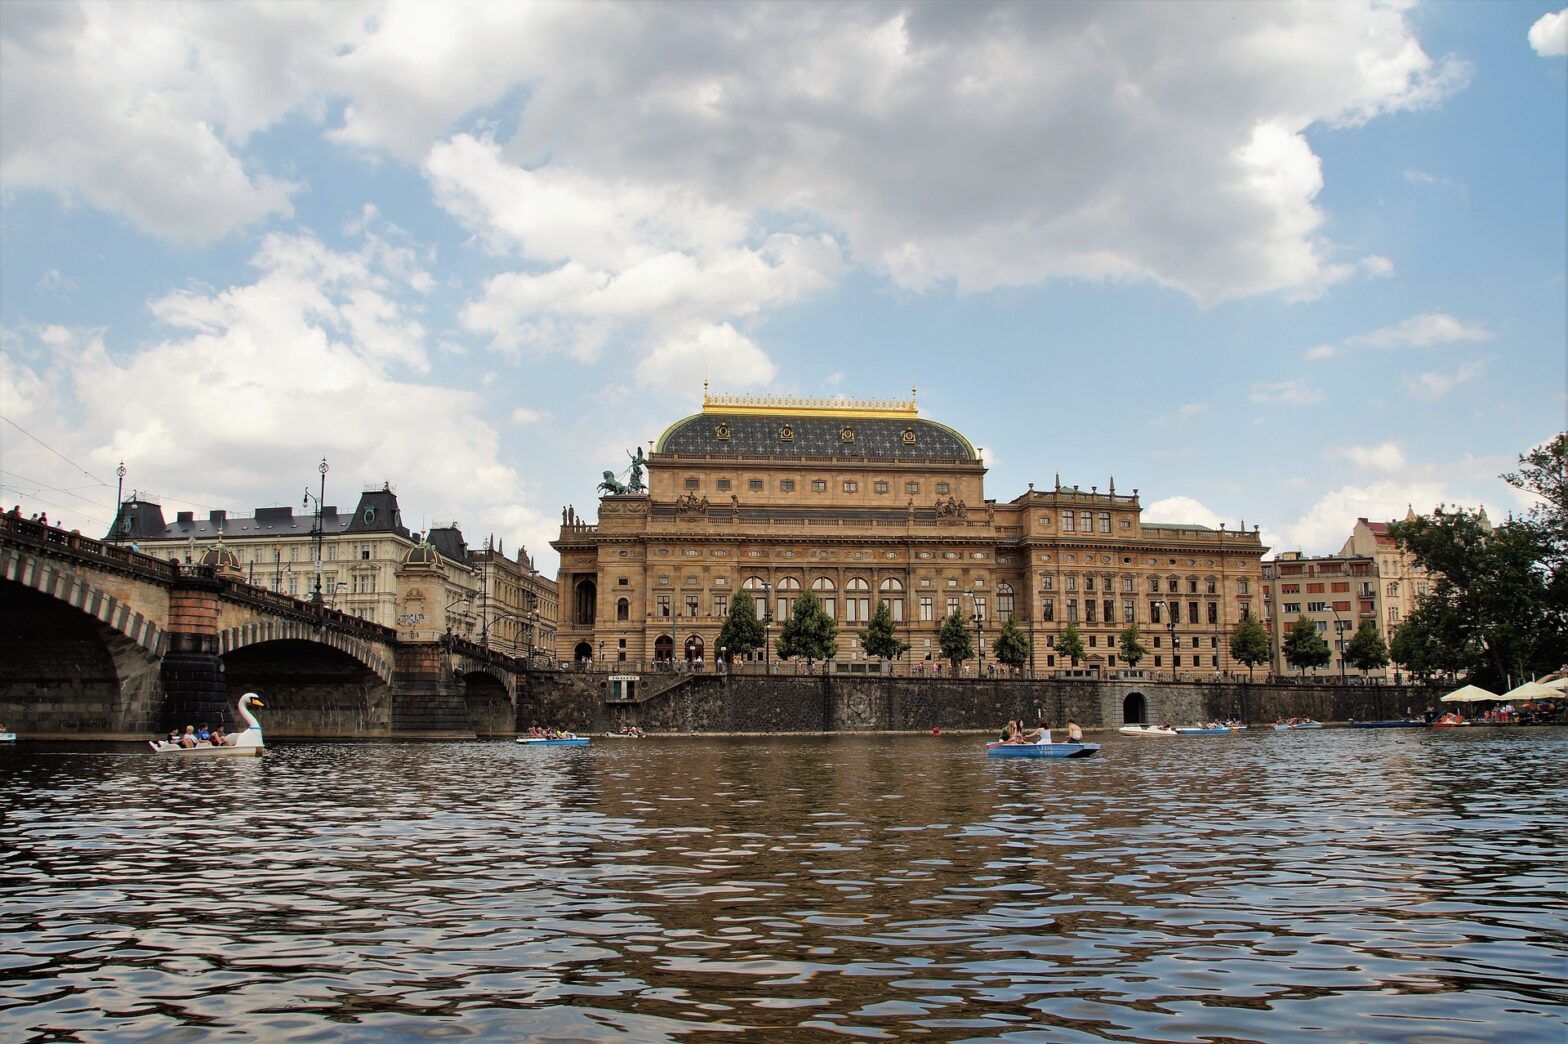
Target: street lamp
x=1339 y=637
x=767 y=623
x=974 y=603
x=721 y=664
x=1171 y=609
x=315 y=596
x=119 y=500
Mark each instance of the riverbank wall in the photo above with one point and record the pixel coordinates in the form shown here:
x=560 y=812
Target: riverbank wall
x=755 y=703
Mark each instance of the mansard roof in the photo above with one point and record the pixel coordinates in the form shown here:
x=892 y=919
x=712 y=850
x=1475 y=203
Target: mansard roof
x=736 y=426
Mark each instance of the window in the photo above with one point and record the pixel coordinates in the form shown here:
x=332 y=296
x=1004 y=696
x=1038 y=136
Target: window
x=1155 y=609
x=1088 y=583
x=824 y=587
x=1340 y=587
x=893 y=594
x=1291 y=608
x=911 y=487
x=1129 y=611
x=1172 y=585
x=879 y=487
x=691 y=605
x=623 y=609
x=925 y=608
x=754 y=485
x=1214 y=612
x=851 y=486
x=1004 y=599
x=1314 y=589
x=1127 y=585
x=662 y=606
x=1086 y=521
x=1192 y=612
x=1109 y=609
x=1393 y=614
x=1089 y=607
x=1067 y=522
x=721 y=605
x=691 y=483
x=786 y=485
x=857 y=603
x=1211 y=588
x=1245 y=608
x=1072 y=610
x=1154 y=585
x=724 y=485
x=1241 y=587
x=1192 y=586
x=1072 y=583
x=952 y=606
x=293 y=585
x=942 y=487
x=1048 y=609
x=1105 y=521
x=1047 y=582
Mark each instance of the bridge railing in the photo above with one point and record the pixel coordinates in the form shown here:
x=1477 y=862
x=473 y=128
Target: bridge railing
x=53 y=540
x=304 y=610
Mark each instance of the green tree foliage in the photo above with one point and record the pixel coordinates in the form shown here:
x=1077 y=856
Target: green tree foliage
x=1366 y=650
x=878 y=639
x=954 y=640
x=809 y=633
x=1497 y=609
x=1304 y=647
x=1132 y=650
x=742 y=631
x=1070 y=644
x=1249 y=643
x=1011 y=645
x=1414 y=646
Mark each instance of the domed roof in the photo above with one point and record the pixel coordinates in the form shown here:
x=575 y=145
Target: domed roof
x=743 y=426
x=422 y=553
x=220 y=558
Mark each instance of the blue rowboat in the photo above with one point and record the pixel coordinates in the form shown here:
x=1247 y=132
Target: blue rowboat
x=997 y=749
x=1402 y=723
x=580 y=741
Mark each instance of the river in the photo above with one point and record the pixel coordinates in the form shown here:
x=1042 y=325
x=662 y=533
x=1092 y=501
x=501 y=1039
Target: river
x=1376 y=886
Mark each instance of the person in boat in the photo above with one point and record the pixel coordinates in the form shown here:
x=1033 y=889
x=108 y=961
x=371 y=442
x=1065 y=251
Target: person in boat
x=1038 y=735
x=189 y=738
x=1074 y=733
x=218 y=737
x=203 y=734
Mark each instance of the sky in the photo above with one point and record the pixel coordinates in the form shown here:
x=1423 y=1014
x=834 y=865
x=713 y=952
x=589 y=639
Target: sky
x=1286 y=264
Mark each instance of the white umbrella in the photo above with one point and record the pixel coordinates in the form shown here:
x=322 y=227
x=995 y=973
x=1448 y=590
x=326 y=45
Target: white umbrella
x=1560 y=684
x=1532 y=691
x=1469 y=694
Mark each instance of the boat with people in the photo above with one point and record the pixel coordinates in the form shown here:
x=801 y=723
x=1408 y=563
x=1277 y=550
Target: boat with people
x=1297 y=723
x=1003 y=749
x=1450 y=721
x=247 y=743
x=1148 y=730
x=566 y=739
x=627 y=732
x=1210 y=729
x=7 y=737
x=1395 y=723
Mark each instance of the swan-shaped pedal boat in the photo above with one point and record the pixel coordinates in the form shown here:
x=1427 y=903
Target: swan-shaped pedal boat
x=245 y=744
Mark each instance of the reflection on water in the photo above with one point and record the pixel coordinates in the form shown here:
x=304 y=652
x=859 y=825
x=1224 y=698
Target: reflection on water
x=1366 y=886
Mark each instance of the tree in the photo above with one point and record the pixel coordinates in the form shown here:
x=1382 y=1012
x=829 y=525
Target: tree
x=878 y=638
x=954 y=640
x=1249 y=643
x=1414 y=647
x=809 y=632
x=1366 y=650
x=742 y=631
x=1131 y=649
x=1070 y=644
x=1011 y=645
x=1304 y=647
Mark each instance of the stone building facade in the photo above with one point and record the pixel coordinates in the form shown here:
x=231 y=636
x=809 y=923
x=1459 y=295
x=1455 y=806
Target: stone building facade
x=1334 y=592
x=863 y=502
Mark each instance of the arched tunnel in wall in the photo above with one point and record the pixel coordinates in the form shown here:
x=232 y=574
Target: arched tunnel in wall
x=63 y=673
x=490 y=710
x=310 y=690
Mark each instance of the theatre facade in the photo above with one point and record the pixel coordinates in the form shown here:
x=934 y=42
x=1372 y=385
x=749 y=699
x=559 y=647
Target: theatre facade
x=865 y=502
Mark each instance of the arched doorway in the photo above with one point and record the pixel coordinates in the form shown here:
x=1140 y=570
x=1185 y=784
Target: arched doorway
x=663 y=649
x=584 y=651
x=1135 y=709
x=694 y=648
x=585 y=602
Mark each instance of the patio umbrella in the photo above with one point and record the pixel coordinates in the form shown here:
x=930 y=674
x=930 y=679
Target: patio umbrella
x=1469 y=694
x=1532 y=691
x=1560 y=684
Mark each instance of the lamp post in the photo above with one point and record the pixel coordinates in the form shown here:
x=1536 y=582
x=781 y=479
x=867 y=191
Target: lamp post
x=277 y=569
x=484 y=595
x=722 y=664
x=767 y=624
x=1170 y=625
x=119 y=499
x=1339 y=637
x=315 y=596
x=974 y=604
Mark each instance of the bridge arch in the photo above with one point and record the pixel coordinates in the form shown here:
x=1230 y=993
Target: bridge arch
x=48 y=578
x=261 y=631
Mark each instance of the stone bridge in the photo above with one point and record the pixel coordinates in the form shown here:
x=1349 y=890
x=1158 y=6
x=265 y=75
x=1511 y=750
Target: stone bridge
x=100 y=642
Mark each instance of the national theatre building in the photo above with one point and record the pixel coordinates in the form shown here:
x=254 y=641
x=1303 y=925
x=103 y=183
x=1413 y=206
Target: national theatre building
x=864 y=502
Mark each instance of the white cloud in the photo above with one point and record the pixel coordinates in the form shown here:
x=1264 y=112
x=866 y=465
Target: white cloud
x=1433 y=385
x=209 y=418
x=976 y=146
x=1322 y=351
x=1386 y=456
x=1549 y=34
x=1177 y=510
x=1327 y=524
x=1420 y=331
x=524 y=415
x=1294 y=392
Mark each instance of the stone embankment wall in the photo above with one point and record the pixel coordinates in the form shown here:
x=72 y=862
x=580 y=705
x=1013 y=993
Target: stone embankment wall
x=791 y=703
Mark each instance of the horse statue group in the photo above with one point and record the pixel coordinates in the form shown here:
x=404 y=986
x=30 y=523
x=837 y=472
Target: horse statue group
x=614 y=487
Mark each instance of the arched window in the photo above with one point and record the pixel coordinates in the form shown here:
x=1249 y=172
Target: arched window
x=623 y=609
x=857 y=604
x=892 y=583
x=893 y=594
x=753 y=583
x=787 y=588
x=1004 y=599
x=825 y=587
x=823 y=583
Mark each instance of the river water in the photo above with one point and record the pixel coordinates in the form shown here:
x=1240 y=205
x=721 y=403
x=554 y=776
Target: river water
x=1376 y=886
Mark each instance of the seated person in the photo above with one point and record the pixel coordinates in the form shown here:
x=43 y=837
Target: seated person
x=1039 y=735
x=1074 y=733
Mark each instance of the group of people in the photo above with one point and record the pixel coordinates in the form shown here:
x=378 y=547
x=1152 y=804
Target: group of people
x=199 y=737
x=535 y=732
x=1018 y=732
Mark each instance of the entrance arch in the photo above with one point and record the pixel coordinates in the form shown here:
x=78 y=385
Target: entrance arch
x=663 y=648
x=694 y=648
x=1135 y=709
x=584 y=651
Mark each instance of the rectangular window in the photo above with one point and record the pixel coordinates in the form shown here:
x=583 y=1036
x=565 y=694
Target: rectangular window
x=1245 y=607
x=691 y=605
x=942 y=487
x=895 y=609
x=1086 y=521
x=1127 y=584
x=1094 y=641
x=1314 y=589
x=1088 y=609
x=332 y=553
x=1072 y=610
x=911 y=487
x=1067 y=522
x=952 y=606
x=724 y=485
x=1317 y=607
x=819 y=486
x=1241 y=587
x=1192 y=612
x=1214 y=612
x=755 y=485
x=1072 y=583
x=1192 y=587
x=1291 y=608
x=662 y=602
x=1129 y=611
x=980 y=608
x=851 y=487
x=879 y=487
x=1109 y=610
x=1088 y=583
x=1173 y=585
x=1004 y=603
x=1154 y=585
x=1340 y=587
x=293 y=585
x=1049 y=608
x=925 y=608
x=830 y=608
x=691 y=483
x=721 y=605
x=1047 y=583
x=1105 y=521
x=786 y=485
x=1210 y=588
x=1155 y=609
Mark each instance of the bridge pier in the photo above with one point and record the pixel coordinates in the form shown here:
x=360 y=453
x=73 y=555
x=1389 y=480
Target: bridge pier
x=427 y=695
x=194 y=689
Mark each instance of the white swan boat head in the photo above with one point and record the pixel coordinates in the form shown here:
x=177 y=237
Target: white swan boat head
x=246 y=743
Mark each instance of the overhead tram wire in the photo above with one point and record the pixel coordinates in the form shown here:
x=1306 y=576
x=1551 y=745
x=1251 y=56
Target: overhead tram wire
x=56 y=452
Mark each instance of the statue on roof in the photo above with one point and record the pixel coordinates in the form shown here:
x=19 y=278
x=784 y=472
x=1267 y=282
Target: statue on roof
x=611 y=486
x=634 y=480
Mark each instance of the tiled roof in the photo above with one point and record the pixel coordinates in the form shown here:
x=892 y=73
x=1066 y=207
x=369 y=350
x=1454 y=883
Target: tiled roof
x=784 y=435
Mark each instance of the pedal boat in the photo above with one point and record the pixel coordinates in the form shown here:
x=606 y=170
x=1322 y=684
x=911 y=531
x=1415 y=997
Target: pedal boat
x=999 y=749
x=245 y=744
x=1147 y=730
